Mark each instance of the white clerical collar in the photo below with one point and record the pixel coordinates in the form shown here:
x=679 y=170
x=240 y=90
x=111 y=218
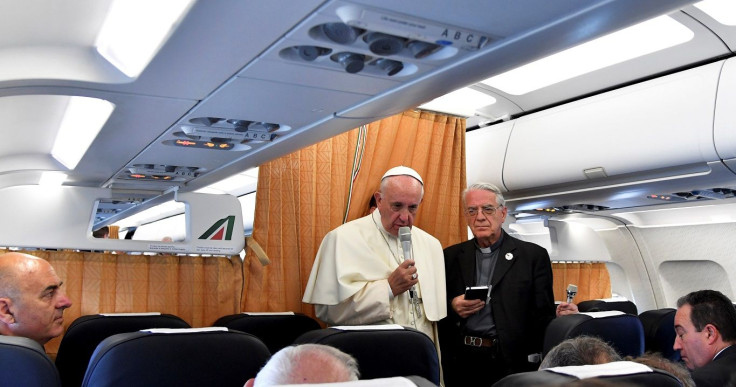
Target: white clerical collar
x=485 y=250
x=719 y=352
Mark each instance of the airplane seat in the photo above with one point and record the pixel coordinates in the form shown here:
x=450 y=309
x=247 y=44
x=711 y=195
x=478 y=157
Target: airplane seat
x=659 y=332
x=86 y=332
x=176 y=357
x=276 y=330
x=603 y=305
x=615 y=373
x=23 y=362
x=381 y=351
x=396 y=381
x=623 y=331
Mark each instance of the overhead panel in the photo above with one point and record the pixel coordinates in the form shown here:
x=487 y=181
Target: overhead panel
x=349 y=63
x=724 y=126
x=724 y=26
x=662 y=123
x=337 y=58
x=703 y=46
x=487 y=148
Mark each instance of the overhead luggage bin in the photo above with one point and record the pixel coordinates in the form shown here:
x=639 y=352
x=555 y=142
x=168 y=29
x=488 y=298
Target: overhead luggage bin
x=660 y=123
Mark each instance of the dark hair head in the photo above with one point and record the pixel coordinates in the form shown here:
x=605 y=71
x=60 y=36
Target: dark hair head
x=101 y=232
x=711 y=307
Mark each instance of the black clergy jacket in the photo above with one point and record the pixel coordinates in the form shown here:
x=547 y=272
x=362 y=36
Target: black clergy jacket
x=522 y=300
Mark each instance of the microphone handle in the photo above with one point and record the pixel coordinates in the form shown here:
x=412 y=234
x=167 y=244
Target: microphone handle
x=406 y=247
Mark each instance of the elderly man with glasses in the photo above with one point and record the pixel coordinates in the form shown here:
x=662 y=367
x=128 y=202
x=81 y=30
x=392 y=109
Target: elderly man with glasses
x=500 y=330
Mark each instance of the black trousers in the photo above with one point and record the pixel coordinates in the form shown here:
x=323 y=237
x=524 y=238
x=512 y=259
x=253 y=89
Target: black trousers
x=465 y=365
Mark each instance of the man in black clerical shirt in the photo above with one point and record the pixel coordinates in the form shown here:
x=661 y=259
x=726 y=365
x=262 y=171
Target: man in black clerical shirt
x=483 y=340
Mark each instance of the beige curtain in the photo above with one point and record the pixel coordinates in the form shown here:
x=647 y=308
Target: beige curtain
x=197 y=289
x=591 y=278
x=113 y=232
x=304 y=195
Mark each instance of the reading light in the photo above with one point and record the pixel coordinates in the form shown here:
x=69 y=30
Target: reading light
x=421 y=49
x=340 y=33
x=639 y=40
x=52 y=178
x=80 y=125
x=134 y=30
x=724 y=11
x=384 y=44
x=461 y=102
x=351 y=62
x=310 y=53
x=389 y=66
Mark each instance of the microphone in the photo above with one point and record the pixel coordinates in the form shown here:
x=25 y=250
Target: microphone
x=572 y=290
x=405 y=239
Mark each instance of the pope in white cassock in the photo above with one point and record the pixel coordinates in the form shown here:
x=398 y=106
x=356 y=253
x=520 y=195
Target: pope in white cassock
x=360 y=276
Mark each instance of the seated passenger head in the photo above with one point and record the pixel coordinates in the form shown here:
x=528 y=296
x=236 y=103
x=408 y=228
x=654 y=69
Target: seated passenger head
x=307 y=364
x=103 y=232
x=32 y=301
x=655 y=360
x=580 y=350
x=705 y=323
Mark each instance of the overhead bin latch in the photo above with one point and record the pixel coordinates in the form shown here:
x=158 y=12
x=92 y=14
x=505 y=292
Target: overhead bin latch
x=595 y=173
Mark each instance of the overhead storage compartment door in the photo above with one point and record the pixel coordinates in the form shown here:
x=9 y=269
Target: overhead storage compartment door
x=485 y=150
x=662 y=123
x=724 y=127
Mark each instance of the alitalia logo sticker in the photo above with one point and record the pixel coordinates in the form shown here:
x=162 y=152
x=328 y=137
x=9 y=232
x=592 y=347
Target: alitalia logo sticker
x=221 y=230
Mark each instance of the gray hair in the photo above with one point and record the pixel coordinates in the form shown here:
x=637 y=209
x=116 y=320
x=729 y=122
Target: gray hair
x=500 y=201
x=285 y=366
x=580 y=350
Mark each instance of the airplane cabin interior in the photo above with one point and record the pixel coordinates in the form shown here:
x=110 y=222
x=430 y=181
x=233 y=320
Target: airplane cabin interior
x=609 y=126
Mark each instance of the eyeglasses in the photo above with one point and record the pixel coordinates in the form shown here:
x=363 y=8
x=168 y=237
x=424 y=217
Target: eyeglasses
x=487 y=210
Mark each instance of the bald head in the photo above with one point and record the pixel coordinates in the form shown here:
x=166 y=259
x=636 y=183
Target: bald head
x=15 y=266
x=32 y=302
x=307 y=364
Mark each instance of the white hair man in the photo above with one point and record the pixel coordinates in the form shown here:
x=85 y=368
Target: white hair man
x=307 y=364
x=361 y=275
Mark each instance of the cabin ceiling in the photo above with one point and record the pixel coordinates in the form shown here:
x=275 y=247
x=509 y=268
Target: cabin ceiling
x=238 y=83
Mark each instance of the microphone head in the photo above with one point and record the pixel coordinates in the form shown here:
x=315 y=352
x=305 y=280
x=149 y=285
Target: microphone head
x=572 y=290
x=404 y=234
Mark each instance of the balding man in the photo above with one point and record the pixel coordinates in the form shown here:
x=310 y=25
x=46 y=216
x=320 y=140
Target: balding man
x=307 y=364
x=32 y=301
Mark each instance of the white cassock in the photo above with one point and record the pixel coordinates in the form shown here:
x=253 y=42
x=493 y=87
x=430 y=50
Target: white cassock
x=349 y=279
